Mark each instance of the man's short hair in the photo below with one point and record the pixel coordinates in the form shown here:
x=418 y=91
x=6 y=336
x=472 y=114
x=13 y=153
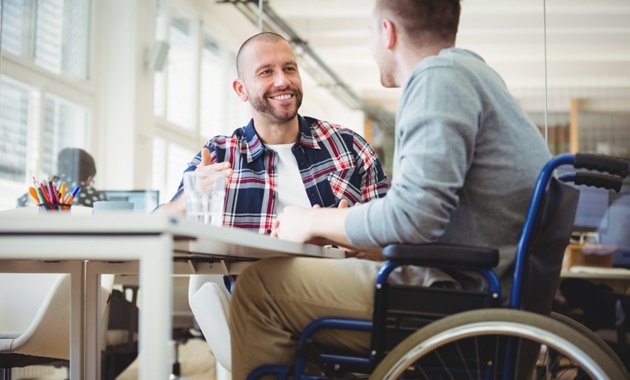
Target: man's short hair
x=74 y=164
x=260 y=37
x=423 y=20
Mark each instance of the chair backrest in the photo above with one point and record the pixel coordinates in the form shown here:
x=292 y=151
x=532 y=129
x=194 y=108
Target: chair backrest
x=35 y=317
x=552 y=232
x=210 y=305
x=549 y=224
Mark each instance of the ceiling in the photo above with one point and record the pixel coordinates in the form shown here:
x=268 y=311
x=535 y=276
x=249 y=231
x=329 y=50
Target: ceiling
x=584 y=51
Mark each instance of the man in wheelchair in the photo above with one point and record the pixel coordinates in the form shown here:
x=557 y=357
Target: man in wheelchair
x=466 y=162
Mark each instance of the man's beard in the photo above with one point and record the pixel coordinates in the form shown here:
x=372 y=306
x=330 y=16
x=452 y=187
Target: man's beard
x=262 y=105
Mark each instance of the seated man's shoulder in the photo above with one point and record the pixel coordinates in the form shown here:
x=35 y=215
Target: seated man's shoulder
x=236 y=140
x=324 y=125
x=324 y=130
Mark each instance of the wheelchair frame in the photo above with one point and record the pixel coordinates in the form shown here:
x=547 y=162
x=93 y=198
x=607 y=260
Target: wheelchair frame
x=481 y=260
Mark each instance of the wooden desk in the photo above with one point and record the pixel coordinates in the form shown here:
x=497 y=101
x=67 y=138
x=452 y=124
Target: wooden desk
x=150 y=243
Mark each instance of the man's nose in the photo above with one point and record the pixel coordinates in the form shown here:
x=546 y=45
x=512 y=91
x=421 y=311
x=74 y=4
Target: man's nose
x=281 y=80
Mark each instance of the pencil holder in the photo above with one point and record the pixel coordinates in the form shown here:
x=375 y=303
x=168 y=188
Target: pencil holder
x=54 y=207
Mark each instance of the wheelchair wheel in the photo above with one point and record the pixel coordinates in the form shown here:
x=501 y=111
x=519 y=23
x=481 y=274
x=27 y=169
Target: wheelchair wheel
x=479 y=344
x=591 y=335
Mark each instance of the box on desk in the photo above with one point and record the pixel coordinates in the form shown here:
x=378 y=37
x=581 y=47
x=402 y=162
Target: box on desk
x=576 y=256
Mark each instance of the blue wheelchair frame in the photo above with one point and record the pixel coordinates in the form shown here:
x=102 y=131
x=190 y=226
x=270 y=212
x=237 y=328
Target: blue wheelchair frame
x=450 y=258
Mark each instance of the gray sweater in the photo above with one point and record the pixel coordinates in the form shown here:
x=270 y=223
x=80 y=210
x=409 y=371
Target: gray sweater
x=465 y=162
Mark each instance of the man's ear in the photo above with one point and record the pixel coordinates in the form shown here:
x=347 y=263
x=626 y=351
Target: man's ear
x=238 y=87
x=390 y=33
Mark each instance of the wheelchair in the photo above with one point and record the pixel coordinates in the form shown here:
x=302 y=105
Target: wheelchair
x=474 y=333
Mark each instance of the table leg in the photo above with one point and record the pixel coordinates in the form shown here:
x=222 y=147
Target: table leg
x=77 y=321
x=156 y=269
x=92 y=320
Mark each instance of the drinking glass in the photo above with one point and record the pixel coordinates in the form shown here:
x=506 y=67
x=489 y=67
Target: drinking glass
x=204 y=194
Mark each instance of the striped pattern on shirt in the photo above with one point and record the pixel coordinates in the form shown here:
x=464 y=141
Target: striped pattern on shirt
x=335 y=163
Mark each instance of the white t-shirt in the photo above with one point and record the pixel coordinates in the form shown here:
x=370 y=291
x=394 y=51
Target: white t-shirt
x=291 y=190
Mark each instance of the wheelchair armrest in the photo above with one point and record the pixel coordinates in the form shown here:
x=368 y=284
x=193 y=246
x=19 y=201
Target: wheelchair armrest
x=442 y=254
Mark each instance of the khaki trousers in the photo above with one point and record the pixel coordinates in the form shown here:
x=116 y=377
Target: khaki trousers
x=276 y=298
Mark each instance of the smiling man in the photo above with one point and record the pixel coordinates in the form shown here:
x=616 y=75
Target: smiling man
x=281 y=158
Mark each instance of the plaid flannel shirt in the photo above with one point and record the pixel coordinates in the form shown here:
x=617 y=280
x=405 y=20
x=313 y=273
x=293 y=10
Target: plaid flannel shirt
x=335 y=163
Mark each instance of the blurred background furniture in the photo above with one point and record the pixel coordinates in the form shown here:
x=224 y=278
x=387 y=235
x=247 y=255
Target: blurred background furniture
x=35 y=319
x=210 y=303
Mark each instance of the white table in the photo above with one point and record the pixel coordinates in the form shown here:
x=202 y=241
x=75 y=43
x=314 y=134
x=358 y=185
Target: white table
x=151 y=241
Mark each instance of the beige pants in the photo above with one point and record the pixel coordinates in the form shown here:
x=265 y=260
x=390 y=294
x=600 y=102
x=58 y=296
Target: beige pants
x=276 y=298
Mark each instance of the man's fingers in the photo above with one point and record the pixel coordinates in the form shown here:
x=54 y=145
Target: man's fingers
x=205 y=156
x=343 y=203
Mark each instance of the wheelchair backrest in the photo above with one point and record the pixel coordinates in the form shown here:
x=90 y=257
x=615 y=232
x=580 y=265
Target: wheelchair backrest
x=545 y=252
x=549 y=224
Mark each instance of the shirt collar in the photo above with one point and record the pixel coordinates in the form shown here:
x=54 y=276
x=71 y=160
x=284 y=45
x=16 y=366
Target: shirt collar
x=255 y=147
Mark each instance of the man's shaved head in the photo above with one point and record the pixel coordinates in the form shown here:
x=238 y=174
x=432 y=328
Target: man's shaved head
x=260 y=37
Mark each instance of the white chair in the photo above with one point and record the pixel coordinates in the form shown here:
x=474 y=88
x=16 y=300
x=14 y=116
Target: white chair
x=210 y=303
x=35 y=317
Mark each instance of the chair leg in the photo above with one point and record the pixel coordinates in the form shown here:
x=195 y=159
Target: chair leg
x=176 y=369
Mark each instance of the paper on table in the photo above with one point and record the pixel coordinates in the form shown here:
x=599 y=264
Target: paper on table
x=599 y=270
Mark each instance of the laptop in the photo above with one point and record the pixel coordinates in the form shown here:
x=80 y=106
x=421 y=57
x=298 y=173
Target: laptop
x=144 y=201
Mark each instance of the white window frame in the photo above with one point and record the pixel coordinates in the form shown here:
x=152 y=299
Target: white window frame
x=166 y=132
x=23 y=70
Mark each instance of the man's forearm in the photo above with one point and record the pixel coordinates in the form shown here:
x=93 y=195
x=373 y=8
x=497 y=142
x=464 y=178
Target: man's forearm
x=329 y=224
x=175 y=207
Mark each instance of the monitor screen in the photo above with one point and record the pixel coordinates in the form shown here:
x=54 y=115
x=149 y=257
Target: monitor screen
x=144 y=201
x=591 y=210
x=590 y=214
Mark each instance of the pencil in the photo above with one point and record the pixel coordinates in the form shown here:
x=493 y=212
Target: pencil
x=43 y=194
x=33 y=192
x=62 y=191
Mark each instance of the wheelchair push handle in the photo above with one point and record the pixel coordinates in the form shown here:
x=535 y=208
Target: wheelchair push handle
x=599 y=180
x=602 y=163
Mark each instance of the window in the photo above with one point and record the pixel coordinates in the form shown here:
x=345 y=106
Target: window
x=169 y=162
x=180 y=95
x=15 y=101
x=53 y=34
x=175 y=88
x=65 y=125
x=45 y=53
x=213 y=90
x=193 y=97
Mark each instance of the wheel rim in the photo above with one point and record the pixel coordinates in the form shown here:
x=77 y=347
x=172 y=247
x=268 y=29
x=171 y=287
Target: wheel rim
x=512 y=329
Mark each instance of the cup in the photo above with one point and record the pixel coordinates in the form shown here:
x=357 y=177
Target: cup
x=204 y=194
x=53 y=207
x=106 y=207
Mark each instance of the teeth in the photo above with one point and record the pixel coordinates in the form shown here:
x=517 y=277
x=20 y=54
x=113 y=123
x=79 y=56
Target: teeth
x=282 y=97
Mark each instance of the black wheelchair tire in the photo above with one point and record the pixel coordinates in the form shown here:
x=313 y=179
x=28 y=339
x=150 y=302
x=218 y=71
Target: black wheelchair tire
x=591 y=335
x=558 y=335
